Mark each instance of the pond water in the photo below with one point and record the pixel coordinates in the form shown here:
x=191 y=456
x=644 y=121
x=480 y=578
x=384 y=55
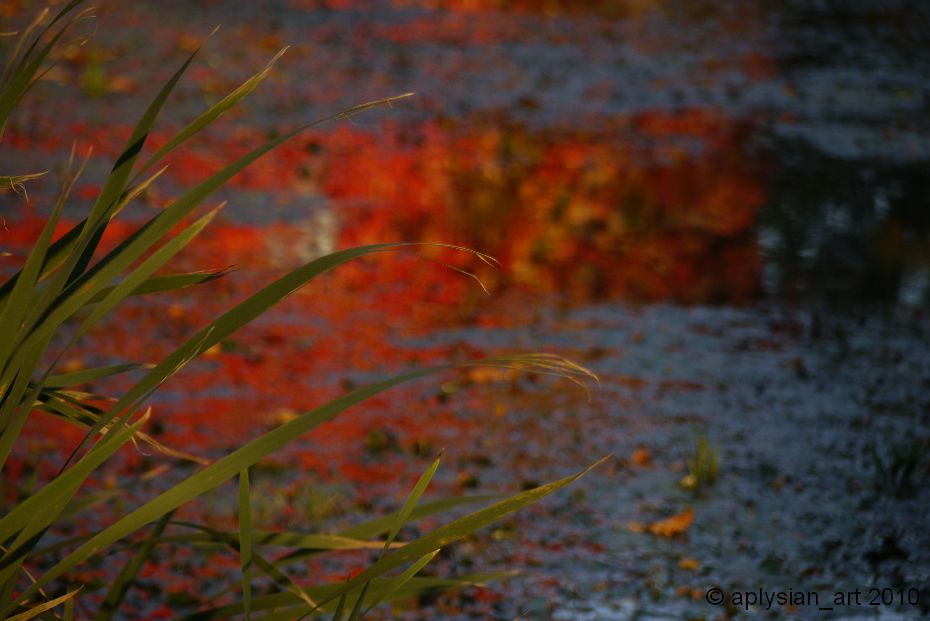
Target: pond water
x=719 y=207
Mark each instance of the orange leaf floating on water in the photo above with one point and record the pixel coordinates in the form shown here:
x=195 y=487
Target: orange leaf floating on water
x=641 y=457
x=672 y=526
x=691 y=564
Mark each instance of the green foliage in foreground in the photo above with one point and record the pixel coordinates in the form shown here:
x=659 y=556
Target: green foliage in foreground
x=64 y=288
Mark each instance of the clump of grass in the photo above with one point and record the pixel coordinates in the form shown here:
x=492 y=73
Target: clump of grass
x=901 y=468
x=703 y=466
x=67 y=286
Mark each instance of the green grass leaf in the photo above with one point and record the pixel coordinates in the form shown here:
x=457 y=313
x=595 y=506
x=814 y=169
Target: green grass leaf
x=21 y=69
x=17 y=183
x=43 y=607
x=457 y=530
x=245 y=541
x=142 y=273
x=288 y=607
x=213 y=113
x=379 y=525
x=316 y=542
x=29 y=519
x=197 y=484
x=85 y=376
x=227 y=324
x=393 y=585
x=402 y=518
x=130 y=571
x=160 y=284
x=20 y=301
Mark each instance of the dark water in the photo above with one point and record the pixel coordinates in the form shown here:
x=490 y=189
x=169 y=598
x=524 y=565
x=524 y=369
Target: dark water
x=682 y=151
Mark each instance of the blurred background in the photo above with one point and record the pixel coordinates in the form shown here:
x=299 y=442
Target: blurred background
x=723 y=208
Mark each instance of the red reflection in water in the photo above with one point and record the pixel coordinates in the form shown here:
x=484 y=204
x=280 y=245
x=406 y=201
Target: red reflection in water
x=566 y=212
x=579 y=213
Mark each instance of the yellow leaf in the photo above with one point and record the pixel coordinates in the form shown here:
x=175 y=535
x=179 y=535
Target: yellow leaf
x=638 y=527
x=284 y=415
x=691 y=564
x=72 y=365
x=672 y=526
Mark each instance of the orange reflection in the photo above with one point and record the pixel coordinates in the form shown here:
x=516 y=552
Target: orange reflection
x=572 y=212
x=661 y=207
x=579 y=213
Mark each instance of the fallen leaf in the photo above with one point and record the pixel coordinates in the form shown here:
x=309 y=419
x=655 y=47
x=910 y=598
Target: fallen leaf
x=284 y=415
x=672 y=526
x=488 y=375
x=73 y=365
x=691 y=564
x=641 y=457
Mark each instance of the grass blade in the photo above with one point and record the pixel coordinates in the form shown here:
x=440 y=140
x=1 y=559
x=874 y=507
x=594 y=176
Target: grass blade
x=227 y=324
x=376 y=526
x=214 y=112
x=195 y=485
x=301 y=541
x=170 y=282
x=57 y=252
x=119 y=175
x=28 y=520
x=458 y=529
x=19 y=303
x=245 y=542
x=274 y=440
x=85 y=376
x=394 y=585
x=75 y=412
x=143 y=272
x=288 y=607
x=92 y=232
x=379 y=525
x=16 y=403
x=128 y=575
x=83 y=287
x=232 y=541
x=17 y=81
x=340 y=608
x=44 y=607
x=402 y=517
x=17 y=183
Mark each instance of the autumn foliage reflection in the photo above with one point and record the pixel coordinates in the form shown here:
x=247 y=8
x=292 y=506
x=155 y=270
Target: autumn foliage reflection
x=572 y=212
x=585 y=215
x=660 y=207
